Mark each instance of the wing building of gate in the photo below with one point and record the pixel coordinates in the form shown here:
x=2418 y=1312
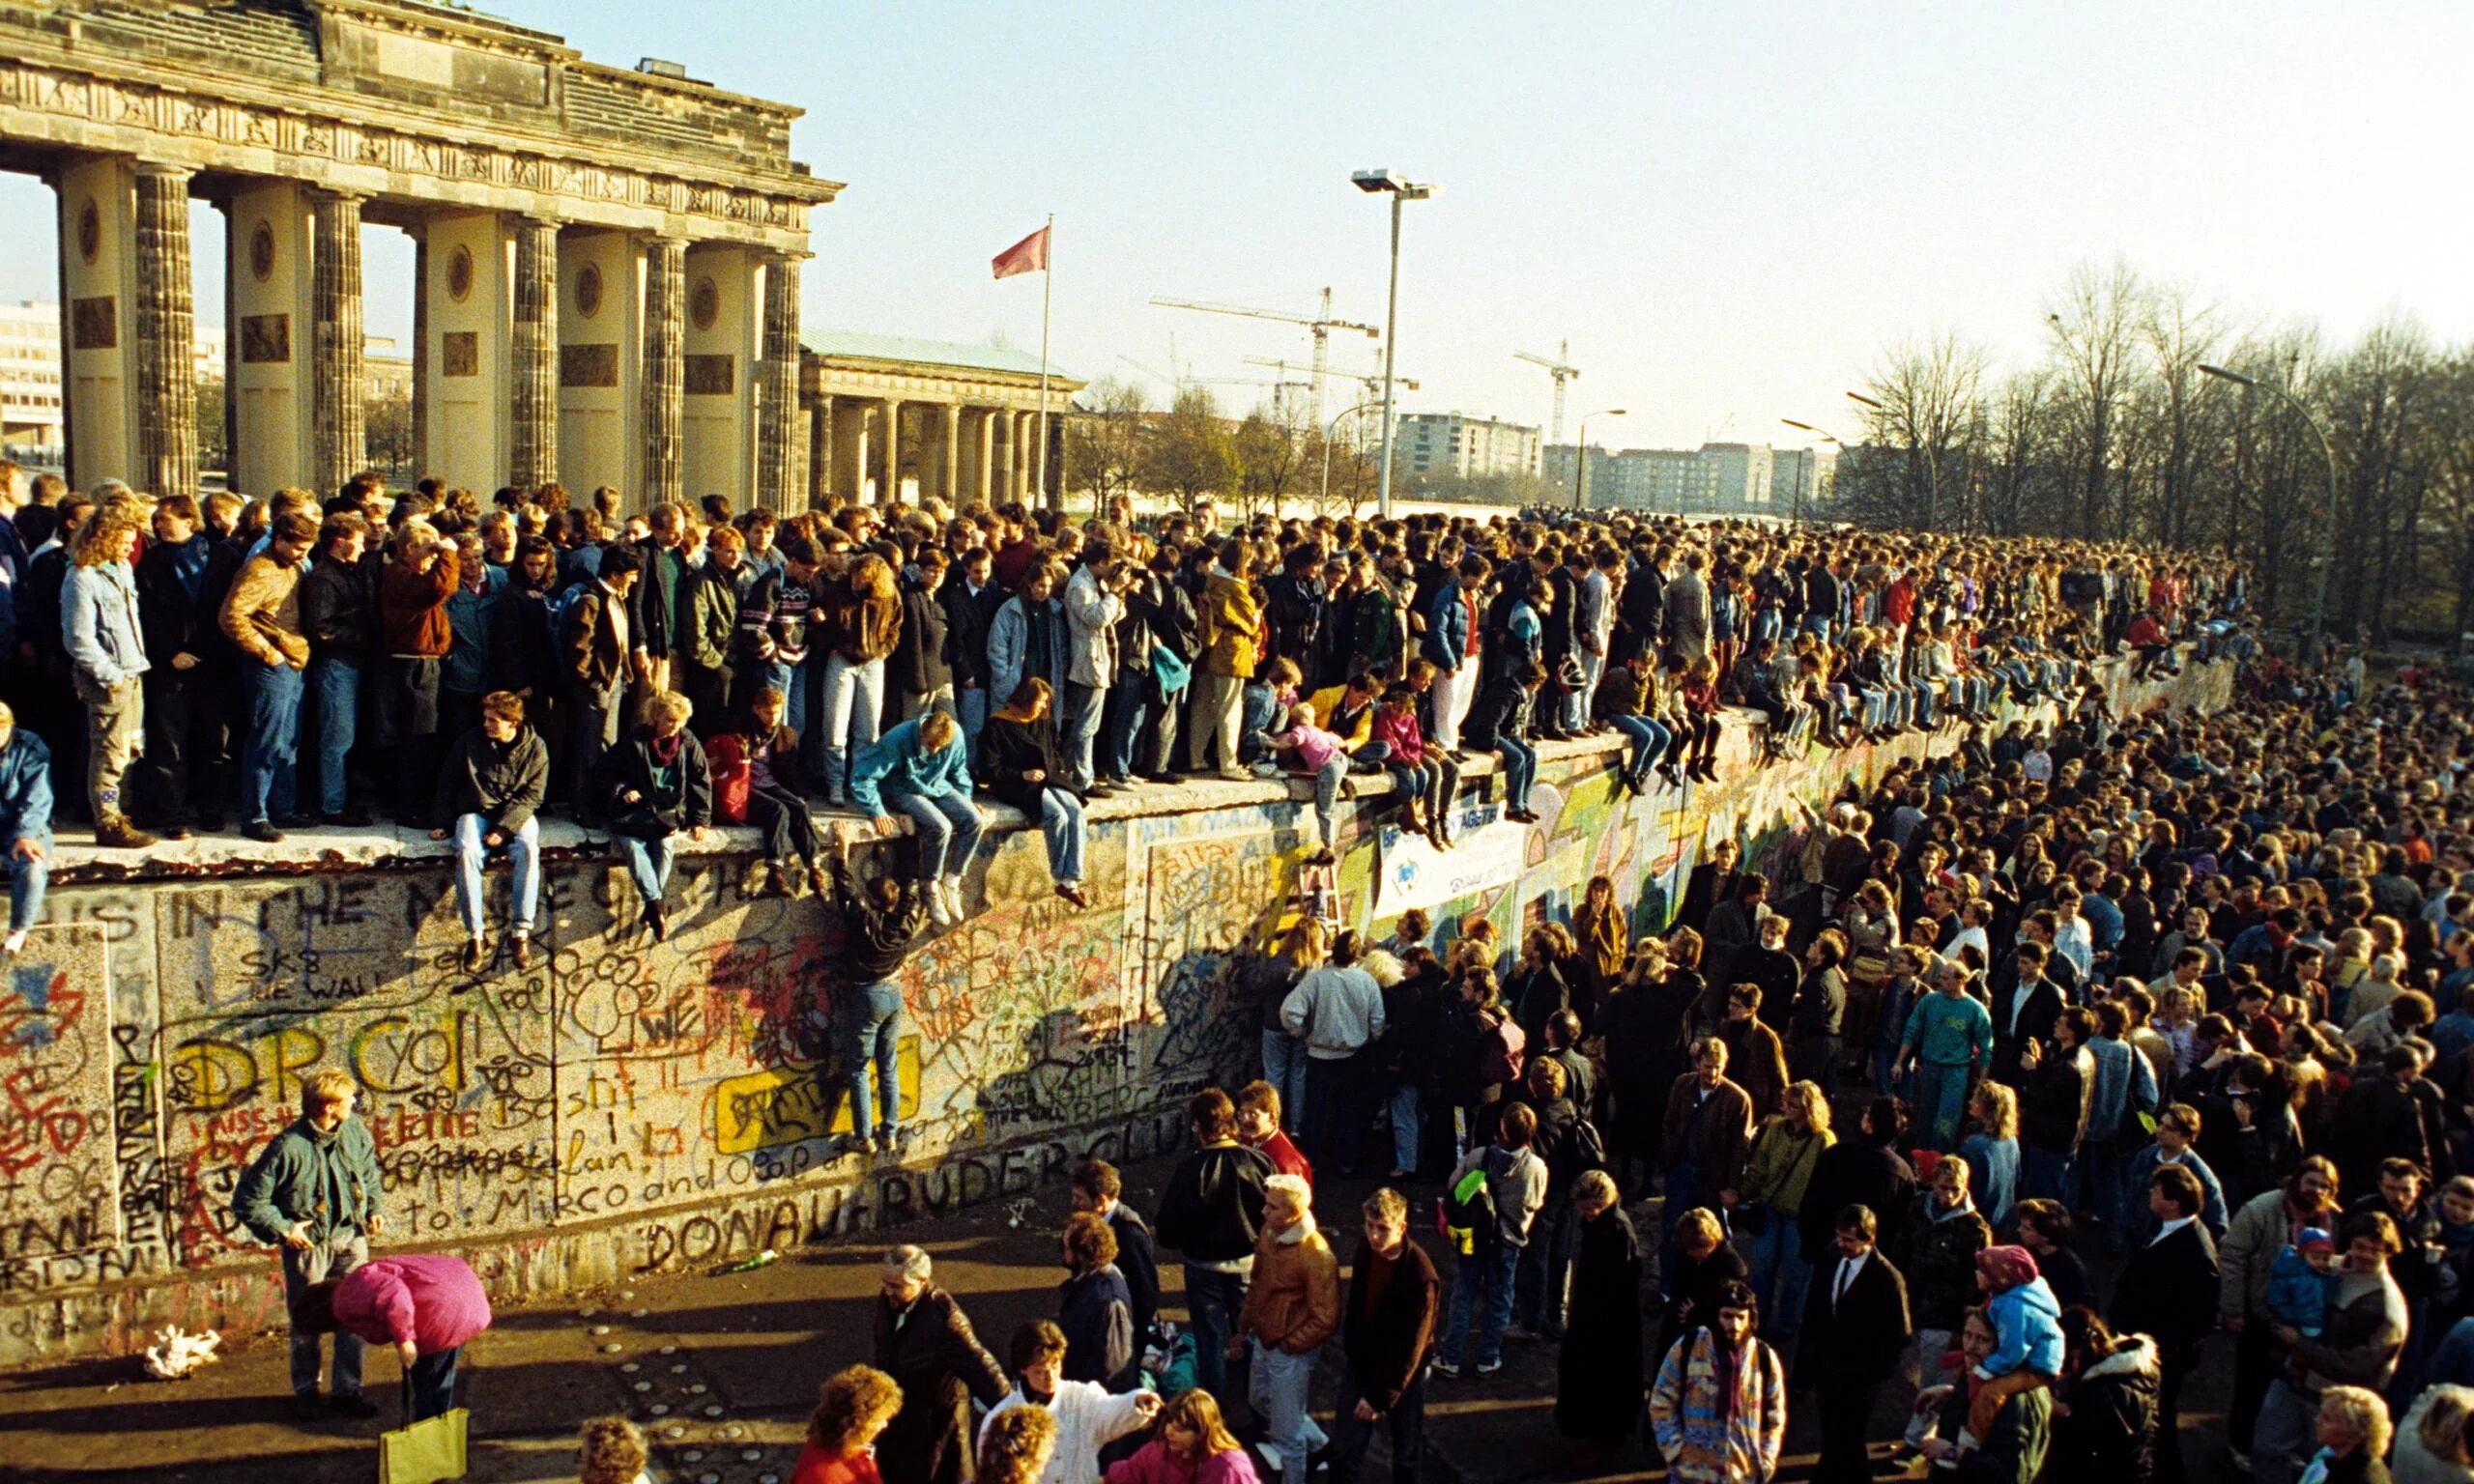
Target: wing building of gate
x=606 y=285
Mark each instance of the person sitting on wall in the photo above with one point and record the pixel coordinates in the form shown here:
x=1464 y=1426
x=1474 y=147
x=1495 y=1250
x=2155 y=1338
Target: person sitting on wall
x=922 y=770
x=657 y=784
x=492 y=787
x=25 y=825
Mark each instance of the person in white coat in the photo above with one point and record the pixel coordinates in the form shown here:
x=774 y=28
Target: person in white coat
x=1087 y=1417
x=1094 y=603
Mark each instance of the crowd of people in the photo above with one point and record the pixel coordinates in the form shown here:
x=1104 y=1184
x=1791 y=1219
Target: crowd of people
x=183 y=663
x=2199 y=980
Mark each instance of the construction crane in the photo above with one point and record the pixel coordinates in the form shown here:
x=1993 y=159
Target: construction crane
x=1371 y=381
x=1279 y=389
x=1320 y=326
x=1561 y=369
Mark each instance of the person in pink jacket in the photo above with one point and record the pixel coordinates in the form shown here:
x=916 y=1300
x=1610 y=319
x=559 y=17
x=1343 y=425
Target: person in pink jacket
x=1188 y=1445
x=426 y=1304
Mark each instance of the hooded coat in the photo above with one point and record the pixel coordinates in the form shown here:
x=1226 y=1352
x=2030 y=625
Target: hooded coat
x=2110 y=1432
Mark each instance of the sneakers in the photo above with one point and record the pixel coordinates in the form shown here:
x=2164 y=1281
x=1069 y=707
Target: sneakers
x=938 y=912
x=1487 y=1368
x=950 y=887
x=1449 y=1370
x=115 y=832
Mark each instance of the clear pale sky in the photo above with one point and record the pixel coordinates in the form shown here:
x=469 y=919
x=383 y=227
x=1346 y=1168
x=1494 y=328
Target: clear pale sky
x=1727 y=210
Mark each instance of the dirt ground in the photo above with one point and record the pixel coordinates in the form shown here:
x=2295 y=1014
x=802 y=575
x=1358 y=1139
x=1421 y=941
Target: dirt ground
x=723 y=1368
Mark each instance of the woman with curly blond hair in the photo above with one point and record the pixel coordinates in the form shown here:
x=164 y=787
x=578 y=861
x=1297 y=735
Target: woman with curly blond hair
x=1014 y=1445
x=851 y=1408
x=610 y=1451
x=99 y=628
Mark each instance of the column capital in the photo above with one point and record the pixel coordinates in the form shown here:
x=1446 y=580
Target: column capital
x=324 y=194
x=164 y=170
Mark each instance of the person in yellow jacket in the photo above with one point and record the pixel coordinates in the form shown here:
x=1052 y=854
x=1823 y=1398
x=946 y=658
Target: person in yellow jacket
x=1229 y=623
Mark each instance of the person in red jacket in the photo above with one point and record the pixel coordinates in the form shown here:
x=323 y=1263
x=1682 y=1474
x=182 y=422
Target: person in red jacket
x=1258 y=1130
x=426 y=1304
x=852 y=1409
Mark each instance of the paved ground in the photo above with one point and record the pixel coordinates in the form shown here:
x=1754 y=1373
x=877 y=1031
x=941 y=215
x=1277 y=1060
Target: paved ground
x=724 y=1368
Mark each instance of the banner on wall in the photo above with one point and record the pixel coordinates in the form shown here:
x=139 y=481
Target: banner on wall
x=1416 y=874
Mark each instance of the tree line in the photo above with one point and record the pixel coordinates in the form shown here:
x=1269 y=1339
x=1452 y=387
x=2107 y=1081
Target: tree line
x=2117 y=434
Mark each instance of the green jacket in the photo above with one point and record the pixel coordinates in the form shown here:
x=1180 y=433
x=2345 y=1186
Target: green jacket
x=713 y=615
x=328 y=1180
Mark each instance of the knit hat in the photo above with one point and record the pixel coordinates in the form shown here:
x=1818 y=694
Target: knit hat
x=2006 y=1268
x=2315 y=1237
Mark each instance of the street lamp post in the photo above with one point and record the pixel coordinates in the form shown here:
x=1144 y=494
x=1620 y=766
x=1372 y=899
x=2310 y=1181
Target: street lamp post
x=1402 y=190
x=2327 y=558
x=1826 y=437
x=1580 y=463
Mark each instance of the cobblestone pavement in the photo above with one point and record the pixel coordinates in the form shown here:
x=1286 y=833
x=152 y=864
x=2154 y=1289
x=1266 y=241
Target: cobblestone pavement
x=722 y=1368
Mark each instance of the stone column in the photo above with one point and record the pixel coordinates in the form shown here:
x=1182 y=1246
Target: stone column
x=819 y=480
x=167 y=336
x=889 y=488
x=420 y=348
x=533 y=442
x=338 y=441
x=780 y=447
x=1026 y=432
x=983 y=474
x=949 y=452
x=665 y=366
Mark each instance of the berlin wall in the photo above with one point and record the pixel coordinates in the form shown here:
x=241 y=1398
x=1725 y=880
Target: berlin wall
x=625 y=1106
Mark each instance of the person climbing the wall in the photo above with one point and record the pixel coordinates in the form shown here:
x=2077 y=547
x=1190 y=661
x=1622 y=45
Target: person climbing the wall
x=883 y=915
x=313 y=1192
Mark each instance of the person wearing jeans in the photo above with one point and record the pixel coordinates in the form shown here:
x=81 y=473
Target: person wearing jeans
x=492 y=787
x=1496 y=721
x=25 y=825
x=426 y=1306
x=1018 y=755
x=313 y=1191
x=262 y=616
x=1094 y=604
x=852 y=694
x=107 y=659
x=920 y=770
x=656 y=784
x=340 y=618
x=1212 y=1210
x=1517 y=1178
x=880 y=922
x=1292 y=1306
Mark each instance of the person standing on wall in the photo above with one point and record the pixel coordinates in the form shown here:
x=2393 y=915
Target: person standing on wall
x=314 y=1192
x=340 y=618
x=1212 y=1210
x=261 y=615
x=106 y=656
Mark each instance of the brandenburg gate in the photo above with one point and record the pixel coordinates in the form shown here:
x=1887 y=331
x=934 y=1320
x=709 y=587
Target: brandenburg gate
x=606 y=285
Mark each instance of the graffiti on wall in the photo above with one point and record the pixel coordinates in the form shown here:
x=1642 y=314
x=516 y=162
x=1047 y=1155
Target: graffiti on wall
x=59 y=1182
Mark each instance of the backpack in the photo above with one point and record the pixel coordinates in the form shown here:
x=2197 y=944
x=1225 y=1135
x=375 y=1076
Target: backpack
x=1500 y=1059
x=1465 y=1215
x=557 y=606
x=1584 y=1150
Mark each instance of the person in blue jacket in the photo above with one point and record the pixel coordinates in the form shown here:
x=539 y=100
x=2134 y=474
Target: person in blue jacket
x=25 y=825
x=922 y=769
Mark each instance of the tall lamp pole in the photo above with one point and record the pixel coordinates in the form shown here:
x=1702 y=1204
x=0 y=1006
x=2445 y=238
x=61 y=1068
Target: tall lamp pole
x=2327 y=558
x=1826 y=437
x=1402 y=190
x=1580 y=465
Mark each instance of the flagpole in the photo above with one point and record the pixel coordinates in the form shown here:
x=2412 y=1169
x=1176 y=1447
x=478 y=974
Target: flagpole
x=1048 y=293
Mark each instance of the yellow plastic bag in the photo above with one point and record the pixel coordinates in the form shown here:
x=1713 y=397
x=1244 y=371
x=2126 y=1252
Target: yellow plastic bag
x=426 y=1452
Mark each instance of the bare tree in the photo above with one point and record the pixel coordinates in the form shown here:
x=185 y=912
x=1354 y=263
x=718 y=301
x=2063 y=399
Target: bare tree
x=1923 y=408
x=1191 y=452
x=1104 y=443
x=2094 y=324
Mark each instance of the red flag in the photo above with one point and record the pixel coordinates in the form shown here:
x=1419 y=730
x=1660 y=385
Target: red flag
x=1027 y=256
